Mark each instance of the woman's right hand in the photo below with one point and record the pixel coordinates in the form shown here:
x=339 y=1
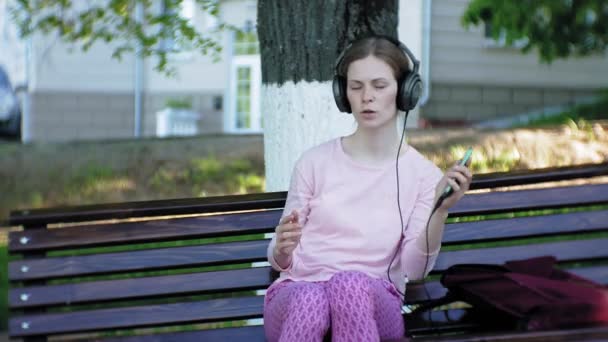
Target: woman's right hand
x=288 y=234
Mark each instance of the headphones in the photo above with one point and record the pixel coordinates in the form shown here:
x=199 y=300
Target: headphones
x=409 y=87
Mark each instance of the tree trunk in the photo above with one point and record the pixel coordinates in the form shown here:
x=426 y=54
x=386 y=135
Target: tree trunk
x=300 y=41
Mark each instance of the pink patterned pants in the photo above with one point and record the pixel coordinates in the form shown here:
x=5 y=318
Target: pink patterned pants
x=356 y=306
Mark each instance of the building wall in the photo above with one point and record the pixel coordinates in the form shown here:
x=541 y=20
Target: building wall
x=410 y=33
x=458 y=56
x=450 y=103
x=67 y=115
x=70 y=115
x=471 y=81
x=78 y=95
x=61 y=66
x=56 y=66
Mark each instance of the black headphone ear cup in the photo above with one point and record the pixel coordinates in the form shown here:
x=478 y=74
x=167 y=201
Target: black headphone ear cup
x=339 y=89
x=409 y=92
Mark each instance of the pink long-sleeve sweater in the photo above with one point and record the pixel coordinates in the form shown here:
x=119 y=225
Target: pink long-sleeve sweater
x=350 y=219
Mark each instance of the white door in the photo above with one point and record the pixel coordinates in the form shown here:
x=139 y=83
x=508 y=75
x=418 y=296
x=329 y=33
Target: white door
x=245 y=79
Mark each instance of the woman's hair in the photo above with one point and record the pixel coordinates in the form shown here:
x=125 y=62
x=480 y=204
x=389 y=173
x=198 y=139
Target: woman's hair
x=378 y=47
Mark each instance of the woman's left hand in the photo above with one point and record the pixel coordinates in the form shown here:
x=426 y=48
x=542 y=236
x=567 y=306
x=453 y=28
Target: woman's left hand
x=459 y=177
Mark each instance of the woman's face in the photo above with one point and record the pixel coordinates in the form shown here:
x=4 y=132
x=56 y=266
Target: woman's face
x=371 y=89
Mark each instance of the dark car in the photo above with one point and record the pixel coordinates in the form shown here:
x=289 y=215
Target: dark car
x=10 y=111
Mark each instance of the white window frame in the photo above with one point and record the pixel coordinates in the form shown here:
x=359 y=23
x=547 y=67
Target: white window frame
x=253 y=62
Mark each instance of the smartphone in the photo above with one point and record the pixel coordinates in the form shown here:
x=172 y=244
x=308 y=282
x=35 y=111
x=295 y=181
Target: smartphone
x=464 y=161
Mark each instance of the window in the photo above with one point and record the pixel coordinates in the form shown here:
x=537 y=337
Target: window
x=489 y=41
x=186 y=11
x=245 y=82
x=244 y=113
x=246 y=41
x=243 y=97
x=218 y=102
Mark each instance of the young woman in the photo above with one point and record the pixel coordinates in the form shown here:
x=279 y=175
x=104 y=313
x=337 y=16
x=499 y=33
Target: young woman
x=345 y=246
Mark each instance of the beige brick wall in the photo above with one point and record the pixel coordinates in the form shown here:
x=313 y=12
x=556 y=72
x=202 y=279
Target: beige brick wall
x=66 y=116
x=474 y=103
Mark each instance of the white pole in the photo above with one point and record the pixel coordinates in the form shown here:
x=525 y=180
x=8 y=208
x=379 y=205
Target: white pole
x=139 y=15
x=26 y=118
x=426 y=51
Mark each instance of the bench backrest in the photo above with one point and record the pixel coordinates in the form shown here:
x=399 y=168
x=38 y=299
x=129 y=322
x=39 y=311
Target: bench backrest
x=138 y=265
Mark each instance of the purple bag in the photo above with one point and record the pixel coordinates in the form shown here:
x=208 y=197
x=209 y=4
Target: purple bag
x=530 y=294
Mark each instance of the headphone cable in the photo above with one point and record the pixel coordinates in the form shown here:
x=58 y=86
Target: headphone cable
x=435 y=207
x=388 y=273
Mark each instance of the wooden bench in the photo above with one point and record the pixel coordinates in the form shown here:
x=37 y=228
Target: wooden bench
x=101 y=271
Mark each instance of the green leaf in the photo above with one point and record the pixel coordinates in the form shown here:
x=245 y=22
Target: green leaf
x=553 y=28
x=116 y=21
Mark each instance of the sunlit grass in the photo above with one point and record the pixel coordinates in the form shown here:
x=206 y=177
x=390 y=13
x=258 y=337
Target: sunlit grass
x=208 y=176
x=483 y=161
x=96 y=183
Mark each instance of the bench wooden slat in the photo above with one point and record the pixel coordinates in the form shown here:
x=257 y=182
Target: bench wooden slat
x=41 y=217
x=244 y=334
x=252 y=251
x=147 y=231
x=596 y=334
x=596 y=273
x=565 y=251
x=186 y=206
x=468 y=327
x=453 y=320
x=136 y=288
x=256 y=333
x=509 y=201
x=458 y=318
x=549 y=174
x=416 y=293
x=522 y=227
x=263 y=222
x=163 y=258
x=139 y=316
x=30 y=303
x=423 y=325
x=200 y=283
x=449 y=321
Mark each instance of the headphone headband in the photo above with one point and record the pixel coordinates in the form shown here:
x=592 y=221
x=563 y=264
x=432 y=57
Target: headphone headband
x=409 y=85
x=397 y=43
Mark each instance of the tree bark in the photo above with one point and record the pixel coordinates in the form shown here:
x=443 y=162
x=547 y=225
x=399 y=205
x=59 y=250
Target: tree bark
x=300 y=40
x=299 y=43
